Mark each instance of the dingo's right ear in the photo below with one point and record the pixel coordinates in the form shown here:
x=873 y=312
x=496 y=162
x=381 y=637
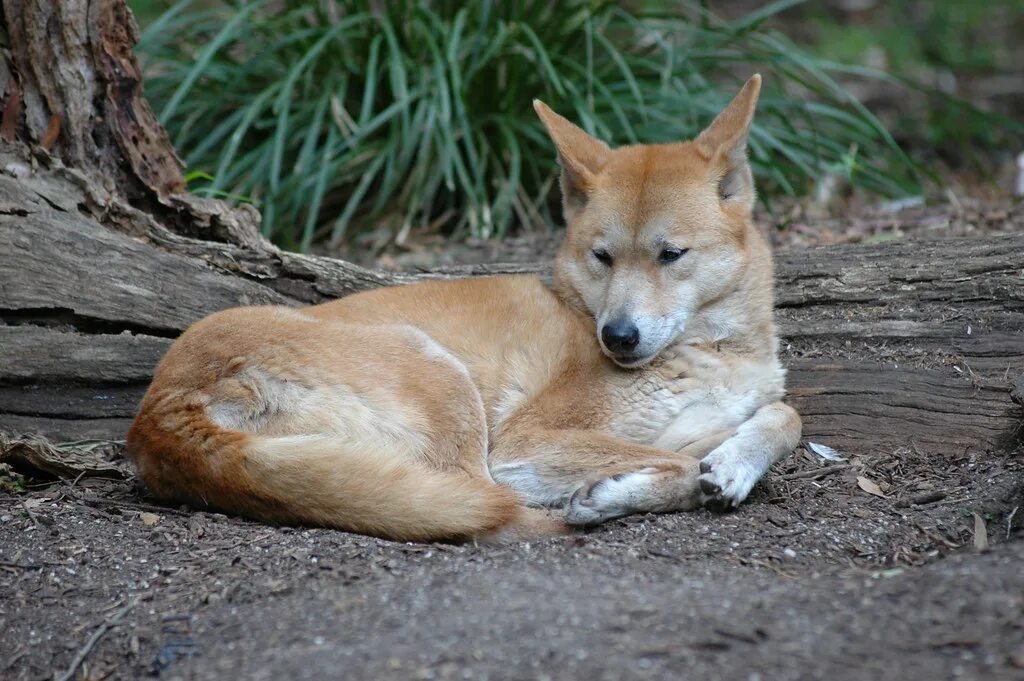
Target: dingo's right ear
x=580 y=155
x=725 y=143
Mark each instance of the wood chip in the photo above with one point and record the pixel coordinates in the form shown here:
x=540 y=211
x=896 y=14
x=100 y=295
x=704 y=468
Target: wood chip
x=815 y=473
x=921 y=499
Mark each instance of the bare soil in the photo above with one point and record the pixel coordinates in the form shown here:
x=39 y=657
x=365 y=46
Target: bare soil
x=814 y=578
x=886 y=565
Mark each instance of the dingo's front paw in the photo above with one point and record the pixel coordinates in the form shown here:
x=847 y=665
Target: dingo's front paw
x=726 y=479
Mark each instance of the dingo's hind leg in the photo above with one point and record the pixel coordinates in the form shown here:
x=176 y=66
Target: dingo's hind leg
x=292 y=422
x=548 y=466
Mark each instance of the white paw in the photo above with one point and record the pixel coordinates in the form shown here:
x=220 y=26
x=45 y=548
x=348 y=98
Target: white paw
x=610 y=498
x=726 y=478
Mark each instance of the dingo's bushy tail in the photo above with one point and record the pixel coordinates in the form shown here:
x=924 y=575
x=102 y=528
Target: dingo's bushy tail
x=325 y=480
x=364 y=489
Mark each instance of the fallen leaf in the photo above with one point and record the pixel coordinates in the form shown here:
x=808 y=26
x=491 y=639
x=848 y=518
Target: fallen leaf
x=35 y=503
x=869 y=486
x=980 y=533
x=149 y=519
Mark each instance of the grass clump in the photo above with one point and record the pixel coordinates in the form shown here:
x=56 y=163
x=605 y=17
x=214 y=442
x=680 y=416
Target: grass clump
x=343 y=115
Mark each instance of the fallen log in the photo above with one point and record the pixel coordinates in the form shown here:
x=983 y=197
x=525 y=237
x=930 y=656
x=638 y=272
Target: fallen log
x=889 y=345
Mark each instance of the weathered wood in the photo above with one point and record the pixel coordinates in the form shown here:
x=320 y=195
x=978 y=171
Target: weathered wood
x=96 y=401
x=859 y=408
x=31 y=354
x=75 y=69
x=64 y=429
x=66 y=460
x=52 y=260
x=946 y=272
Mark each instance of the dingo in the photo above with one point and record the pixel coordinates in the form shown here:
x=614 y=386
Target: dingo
x=646 y=379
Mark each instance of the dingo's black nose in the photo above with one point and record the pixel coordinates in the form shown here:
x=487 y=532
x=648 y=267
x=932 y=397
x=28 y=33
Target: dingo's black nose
x=621 y=337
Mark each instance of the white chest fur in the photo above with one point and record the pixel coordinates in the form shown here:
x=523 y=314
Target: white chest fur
x=696 y=394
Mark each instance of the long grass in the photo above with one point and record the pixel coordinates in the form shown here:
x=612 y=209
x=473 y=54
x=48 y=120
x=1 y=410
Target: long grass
x=343 y=115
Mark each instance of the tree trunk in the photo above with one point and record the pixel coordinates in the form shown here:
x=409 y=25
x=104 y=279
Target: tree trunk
x=103 y=261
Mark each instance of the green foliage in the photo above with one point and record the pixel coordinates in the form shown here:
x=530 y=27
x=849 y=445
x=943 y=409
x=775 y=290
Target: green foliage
x=344 y=114
x=915 y=33
x=11 y=482
x=962 y=40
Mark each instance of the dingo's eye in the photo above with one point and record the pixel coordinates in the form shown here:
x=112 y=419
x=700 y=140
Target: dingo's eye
x=668 y=255
x=603 y=256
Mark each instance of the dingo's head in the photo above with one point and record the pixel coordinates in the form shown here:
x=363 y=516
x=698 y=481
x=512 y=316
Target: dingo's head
x=656 y=233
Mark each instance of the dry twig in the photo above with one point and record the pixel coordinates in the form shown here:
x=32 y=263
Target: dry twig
x=815 y=473
x=84 y=651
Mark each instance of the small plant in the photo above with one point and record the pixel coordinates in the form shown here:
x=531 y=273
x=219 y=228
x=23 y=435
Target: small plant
x=11 y=482
x=343 y=115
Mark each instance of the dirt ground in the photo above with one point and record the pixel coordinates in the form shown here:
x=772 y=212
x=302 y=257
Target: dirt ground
x=814 y=578
x=888 y=565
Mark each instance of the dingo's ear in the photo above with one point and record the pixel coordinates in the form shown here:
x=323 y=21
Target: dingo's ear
x=725 y=143
x=580 y=155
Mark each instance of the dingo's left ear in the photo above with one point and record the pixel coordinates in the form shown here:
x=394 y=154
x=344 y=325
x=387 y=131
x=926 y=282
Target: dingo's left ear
x=580 y=155
x=725 y=143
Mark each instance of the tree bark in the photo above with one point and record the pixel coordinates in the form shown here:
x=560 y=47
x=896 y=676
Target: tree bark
x=103 y=261
x=72 y=68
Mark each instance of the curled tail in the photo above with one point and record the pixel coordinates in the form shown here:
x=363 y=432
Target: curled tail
x=325 y=480
x=363 y=489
